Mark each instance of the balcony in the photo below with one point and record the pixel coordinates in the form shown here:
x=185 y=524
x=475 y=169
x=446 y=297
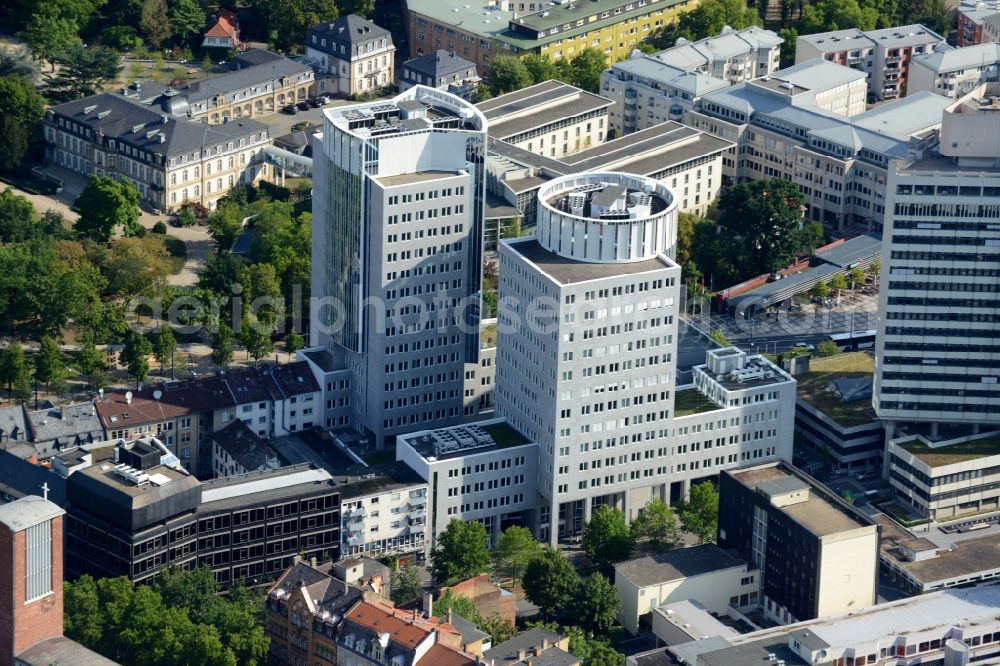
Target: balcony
x=417 y=515
x=358 y=511
x=355 y=538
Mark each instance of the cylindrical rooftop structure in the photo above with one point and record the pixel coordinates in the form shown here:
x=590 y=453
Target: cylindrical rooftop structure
x=607 y=217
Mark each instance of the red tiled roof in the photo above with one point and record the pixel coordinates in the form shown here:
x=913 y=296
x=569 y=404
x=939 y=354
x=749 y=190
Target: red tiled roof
x=222 y=28
x=115 y=411
x=382 y=619
x=441 y=655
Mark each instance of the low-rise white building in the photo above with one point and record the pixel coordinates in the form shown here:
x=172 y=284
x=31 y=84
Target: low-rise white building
x=705 y=573
x=354 y=56
x=956 y=72
x=236 y=449
x=383 y=512
x=485 y=471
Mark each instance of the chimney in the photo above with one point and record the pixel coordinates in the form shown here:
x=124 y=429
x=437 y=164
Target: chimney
x=545 y=645
x=428 y=604
x=347 y=588
x=521 y=654
x=449 y=616
x=312 y=561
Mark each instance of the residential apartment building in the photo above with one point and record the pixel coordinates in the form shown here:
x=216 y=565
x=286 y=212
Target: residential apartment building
x=354 y=56
x=971 y=14
x=383 y=512
x=885 y=55
x=52 y=429
x=649 y=89
x=603 y=252
x=486 y=471
x=134 y=515
x=236 y=449
x=936 y=344
x=442 y=70
x=957 y=72
x=170 y=160
x=687 y=160
x=224 y=33
x=534 y=646
x=816 y=554
x=484 y=30
x=261 y=83
x=953 y=626
x=705 y=573
x=550 y=119
x=839 y=163
x=398 y=216
x=374 y=634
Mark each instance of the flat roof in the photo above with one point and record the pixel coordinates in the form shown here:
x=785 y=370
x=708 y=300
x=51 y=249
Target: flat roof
x=104 y=472
x=571 y=271
x=814 y=387
x=676 y=565
x=952 y=453
x=475 y=17
x=538 y=105
x=253 y=483
x=838 y=40
x=853 y=252
x=969 y=558
x=415 y=177
x=818 y=513
x=447 y=443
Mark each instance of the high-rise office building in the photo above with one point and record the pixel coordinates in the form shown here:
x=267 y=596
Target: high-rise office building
x=397 y=258
x=938 y=355
x=587 y=355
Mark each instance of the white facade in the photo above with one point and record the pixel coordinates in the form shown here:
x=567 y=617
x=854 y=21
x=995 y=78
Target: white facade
x=378 y=519
x=954 y=73
x=397 y=225
x=489 y=479
x=651 y=89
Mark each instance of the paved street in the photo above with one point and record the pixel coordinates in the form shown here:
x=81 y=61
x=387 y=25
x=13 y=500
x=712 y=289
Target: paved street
x=281 y=123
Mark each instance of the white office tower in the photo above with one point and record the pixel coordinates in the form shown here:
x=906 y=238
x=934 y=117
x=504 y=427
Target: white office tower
x=938 y=349
x=397 y=244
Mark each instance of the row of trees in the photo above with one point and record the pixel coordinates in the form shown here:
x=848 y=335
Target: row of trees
x=509 y=73
x=180 y=619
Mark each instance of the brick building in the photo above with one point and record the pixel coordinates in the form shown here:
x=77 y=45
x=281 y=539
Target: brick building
x=488 y=598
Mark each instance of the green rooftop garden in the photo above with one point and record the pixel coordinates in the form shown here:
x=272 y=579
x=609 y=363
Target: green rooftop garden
x=691 y=401
x=488 y=335
x=812 y=387
x=954 y=453
x=504 y=435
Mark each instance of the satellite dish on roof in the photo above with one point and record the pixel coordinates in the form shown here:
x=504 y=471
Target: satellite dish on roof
x=100 y=392
x=128 y=397
x=157 y=394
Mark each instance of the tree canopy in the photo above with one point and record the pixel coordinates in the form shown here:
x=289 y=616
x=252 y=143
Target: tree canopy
x=515 y=549
x=507 y=74
x=106 y=205
x=709 y=17
x=759 y=220
x=700 y=513
x=549 y=582
x=607 y=538
x=595 y=603
x=462 y=551
x=655 y=529
x=83 y=71
x=21 y=109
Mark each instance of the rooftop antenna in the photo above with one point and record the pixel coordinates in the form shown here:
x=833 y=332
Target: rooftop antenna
x=157 y=394
x=45 y=490
x=128 y=397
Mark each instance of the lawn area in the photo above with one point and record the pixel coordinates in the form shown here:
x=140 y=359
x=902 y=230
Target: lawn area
x=488 y=335
x=178 y=253
x=812 y=387
x=691 y=401
x=955 y=453
x=504 y=435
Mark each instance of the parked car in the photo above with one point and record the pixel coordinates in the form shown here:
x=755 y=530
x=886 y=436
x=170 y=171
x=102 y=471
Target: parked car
x=298 y=127
x=323 y=99
x=289 y=109
x=303 y=106
x=804 y=345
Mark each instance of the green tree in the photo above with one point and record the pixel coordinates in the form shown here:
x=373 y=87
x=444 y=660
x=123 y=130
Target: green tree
x=720 y=338
x=838 y=283
x=154 y=22
x=462 y=551
x=21 y=109
x=685 y=236
x=360 y=7
x=710 y=16
x=934 y=14
x=595 y=603
x=48 y=32
x=602 y=654
x=255 y=336
x=50 y=366
x=875 y=269
x=135 y=356
x=549 y=582
x=791 y=37
x=262 y=294
x=404 y=585
x=700 y=513
x=14 y=371
x=138 y=266
x=222 y=345
x=122 y=38
x=224 y=225
x=606 y=538
x=808 y=238
x=515 y=549
x=105 y=205
x=481 y=94
x=827 y=348
x=17 y=61
x=294 y=342
x=499 y=629
x=760 y=219
x=857 y=277
x=540 y=68
x=166 y=343
x=837 y=15
x=821 y=290
x=91 y=362
x=507 y=74
x=83 y=71
x=187 y=18
x=289 y=20
x=17 y=216
x=458 y=605
x=586 y=67
x=656 y=527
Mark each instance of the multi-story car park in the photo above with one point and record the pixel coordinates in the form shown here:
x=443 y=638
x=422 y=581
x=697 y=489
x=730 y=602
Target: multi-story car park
x=884 y=55
x=170 y=160
x=485 y=471
x=839 y=163
x=591 y=376
x=652 y=88
x=398 y=217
